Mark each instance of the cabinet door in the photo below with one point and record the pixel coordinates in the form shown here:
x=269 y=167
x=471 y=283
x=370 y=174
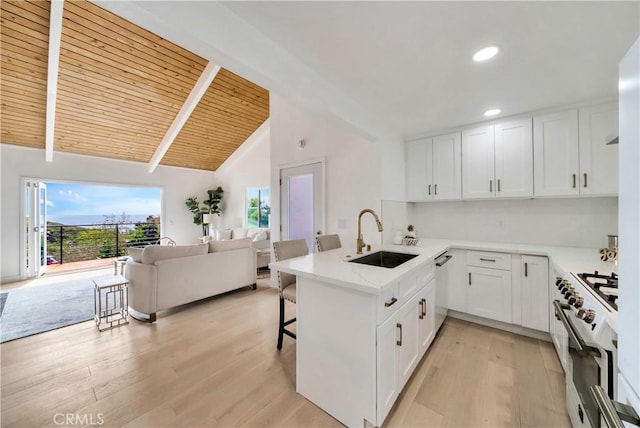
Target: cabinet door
x=447 y=167
x=419 y=172
x=489 y=293
x=426 y=316
x=514 y=159
x=555 y=154
x=478 y=163
x=387 y=366
x=535 y=292
x=407 y=323
x=598 y=161
x=457 y=285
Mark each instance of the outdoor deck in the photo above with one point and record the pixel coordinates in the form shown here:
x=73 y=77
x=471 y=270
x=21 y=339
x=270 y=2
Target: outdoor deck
x=58 y=269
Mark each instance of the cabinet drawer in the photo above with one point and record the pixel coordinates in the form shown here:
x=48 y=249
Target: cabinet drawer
x=489 y=260
x=388 y=303
x=425 y=273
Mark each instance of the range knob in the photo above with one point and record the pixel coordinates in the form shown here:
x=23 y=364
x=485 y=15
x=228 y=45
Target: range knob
x=563 y=284
x=586 y=315
x=576 y=301
x=568 y=292
x=558 y=280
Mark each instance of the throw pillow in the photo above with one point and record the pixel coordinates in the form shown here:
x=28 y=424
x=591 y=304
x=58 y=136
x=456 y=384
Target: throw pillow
x=154 y=253
x=239 y=233
x=235 y=244
x=224 y=234
x=260 y=236
x=136 y=254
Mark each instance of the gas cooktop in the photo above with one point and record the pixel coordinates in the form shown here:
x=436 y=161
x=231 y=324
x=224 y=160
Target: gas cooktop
x=604 y=286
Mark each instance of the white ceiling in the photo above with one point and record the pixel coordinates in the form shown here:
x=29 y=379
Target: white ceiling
x=400 y=69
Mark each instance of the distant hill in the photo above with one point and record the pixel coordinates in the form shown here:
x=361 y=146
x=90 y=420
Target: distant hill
x=84 y=219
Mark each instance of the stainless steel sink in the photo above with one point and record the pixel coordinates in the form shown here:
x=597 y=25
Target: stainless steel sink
x=385 y=259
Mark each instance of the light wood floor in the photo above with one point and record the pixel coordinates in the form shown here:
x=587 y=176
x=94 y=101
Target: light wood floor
x=215 y=363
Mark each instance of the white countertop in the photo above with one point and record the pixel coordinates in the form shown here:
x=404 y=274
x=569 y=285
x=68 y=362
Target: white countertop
x=332 y=267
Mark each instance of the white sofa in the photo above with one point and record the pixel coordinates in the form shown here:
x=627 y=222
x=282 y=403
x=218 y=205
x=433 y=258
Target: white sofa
x=161 y=277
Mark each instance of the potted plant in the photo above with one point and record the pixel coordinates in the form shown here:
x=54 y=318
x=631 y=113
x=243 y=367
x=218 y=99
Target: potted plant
x=203 y=214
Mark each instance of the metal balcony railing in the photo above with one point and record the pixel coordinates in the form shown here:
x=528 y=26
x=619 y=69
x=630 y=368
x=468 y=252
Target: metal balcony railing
x=98 y=241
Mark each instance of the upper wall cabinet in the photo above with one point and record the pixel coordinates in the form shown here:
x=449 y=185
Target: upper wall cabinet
x=497 y=161
x=434 y=168
x=570 y=152
x=598 y=161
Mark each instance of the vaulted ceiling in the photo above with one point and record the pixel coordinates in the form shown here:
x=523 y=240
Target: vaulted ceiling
x=120 y=88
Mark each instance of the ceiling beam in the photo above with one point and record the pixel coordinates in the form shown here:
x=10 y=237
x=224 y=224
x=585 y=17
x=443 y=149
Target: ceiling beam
x=198 y=91
x=55 y=36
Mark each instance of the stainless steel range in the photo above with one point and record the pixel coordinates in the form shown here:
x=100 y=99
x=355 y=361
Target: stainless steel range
x=584 y=310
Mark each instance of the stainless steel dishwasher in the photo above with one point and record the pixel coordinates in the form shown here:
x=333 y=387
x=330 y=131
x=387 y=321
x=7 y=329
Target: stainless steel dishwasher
x=442 y=285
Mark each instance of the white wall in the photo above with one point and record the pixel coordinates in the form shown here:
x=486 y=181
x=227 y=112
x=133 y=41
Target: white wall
x=353 y=167
x=16 y=162
x=248 y=167
x=576 y=222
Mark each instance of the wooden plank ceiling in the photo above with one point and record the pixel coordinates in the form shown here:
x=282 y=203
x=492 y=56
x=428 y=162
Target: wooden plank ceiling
x=119 y=89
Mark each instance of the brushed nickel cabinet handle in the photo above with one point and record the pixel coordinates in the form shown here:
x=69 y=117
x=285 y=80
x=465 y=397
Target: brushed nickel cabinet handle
x=469 y=278
x=421 y=313
x=391 y=302
x=429 y=189
x=498 y=184
x=585 y=179
x=526 y=269
x=574 y=181
x=435 y=189
x=399 y=342
x=424 y=308
x=490 y=186
x=487 y=260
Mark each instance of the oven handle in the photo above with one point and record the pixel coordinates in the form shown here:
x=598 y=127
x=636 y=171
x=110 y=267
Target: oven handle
x=581 y=346
x=442 y=260
x=613 y=412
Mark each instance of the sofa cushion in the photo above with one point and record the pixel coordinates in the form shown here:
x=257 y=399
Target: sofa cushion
x=136 y=254
x=153 y=253
x=217 y=246
x=261 y=236
x=224 y=234
x=252 y=232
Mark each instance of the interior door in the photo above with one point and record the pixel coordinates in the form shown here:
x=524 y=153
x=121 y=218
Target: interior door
x=302 y=202
x=35 y=232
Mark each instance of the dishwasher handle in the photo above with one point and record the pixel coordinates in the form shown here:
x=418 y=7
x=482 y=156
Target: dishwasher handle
x=442 y=260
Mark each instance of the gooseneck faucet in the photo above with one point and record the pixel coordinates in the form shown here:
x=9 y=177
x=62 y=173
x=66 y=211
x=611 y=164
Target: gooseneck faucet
x=360 y=241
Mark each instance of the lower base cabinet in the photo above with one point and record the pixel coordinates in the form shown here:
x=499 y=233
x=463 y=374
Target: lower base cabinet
x=402 y=341
x=489 y=293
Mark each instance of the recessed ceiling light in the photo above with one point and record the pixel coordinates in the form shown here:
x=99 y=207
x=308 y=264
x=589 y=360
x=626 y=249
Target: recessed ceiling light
x=485 y=54
x=492 y=112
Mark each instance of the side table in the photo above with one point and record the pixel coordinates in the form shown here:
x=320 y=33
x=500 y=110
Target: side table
x=111 y=302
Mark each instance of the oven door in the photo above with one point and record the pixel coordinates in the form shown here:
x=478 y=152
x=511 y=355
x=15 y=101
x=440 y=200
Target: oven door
x=590 y=366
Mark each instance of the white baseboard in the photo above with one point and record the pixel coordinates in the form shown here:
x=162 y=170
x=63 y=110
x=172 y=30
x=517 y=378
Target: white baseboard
x=8 y=279
x=512 y=328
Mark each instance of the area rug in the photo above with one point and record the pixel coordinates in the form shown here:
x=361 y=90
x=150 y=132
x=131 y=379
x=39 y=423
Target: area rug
x=40 y=308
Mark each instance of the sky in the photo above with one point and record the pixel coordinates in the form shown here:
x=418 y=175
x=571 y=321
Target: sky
x=67 y=199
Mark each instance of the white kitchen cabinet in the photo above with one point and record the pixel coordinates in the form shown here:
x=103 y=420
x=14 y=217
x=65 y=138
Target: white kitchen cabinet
x=489 y=293
x=535 y=292
x=514 y=159
x=426 y=316
x=419 y=171
x=598 y=161
x=388 y=386
x=571 y=156
x=433 y=168
x=447 y=167
x=407 y=345
x=498 y=161
x=555 y=154
x=478 y=163
x=457 y=286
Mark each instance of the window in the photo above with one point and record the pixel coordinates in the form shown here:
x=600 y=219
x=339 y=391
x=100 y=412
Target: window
x=258 y=209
